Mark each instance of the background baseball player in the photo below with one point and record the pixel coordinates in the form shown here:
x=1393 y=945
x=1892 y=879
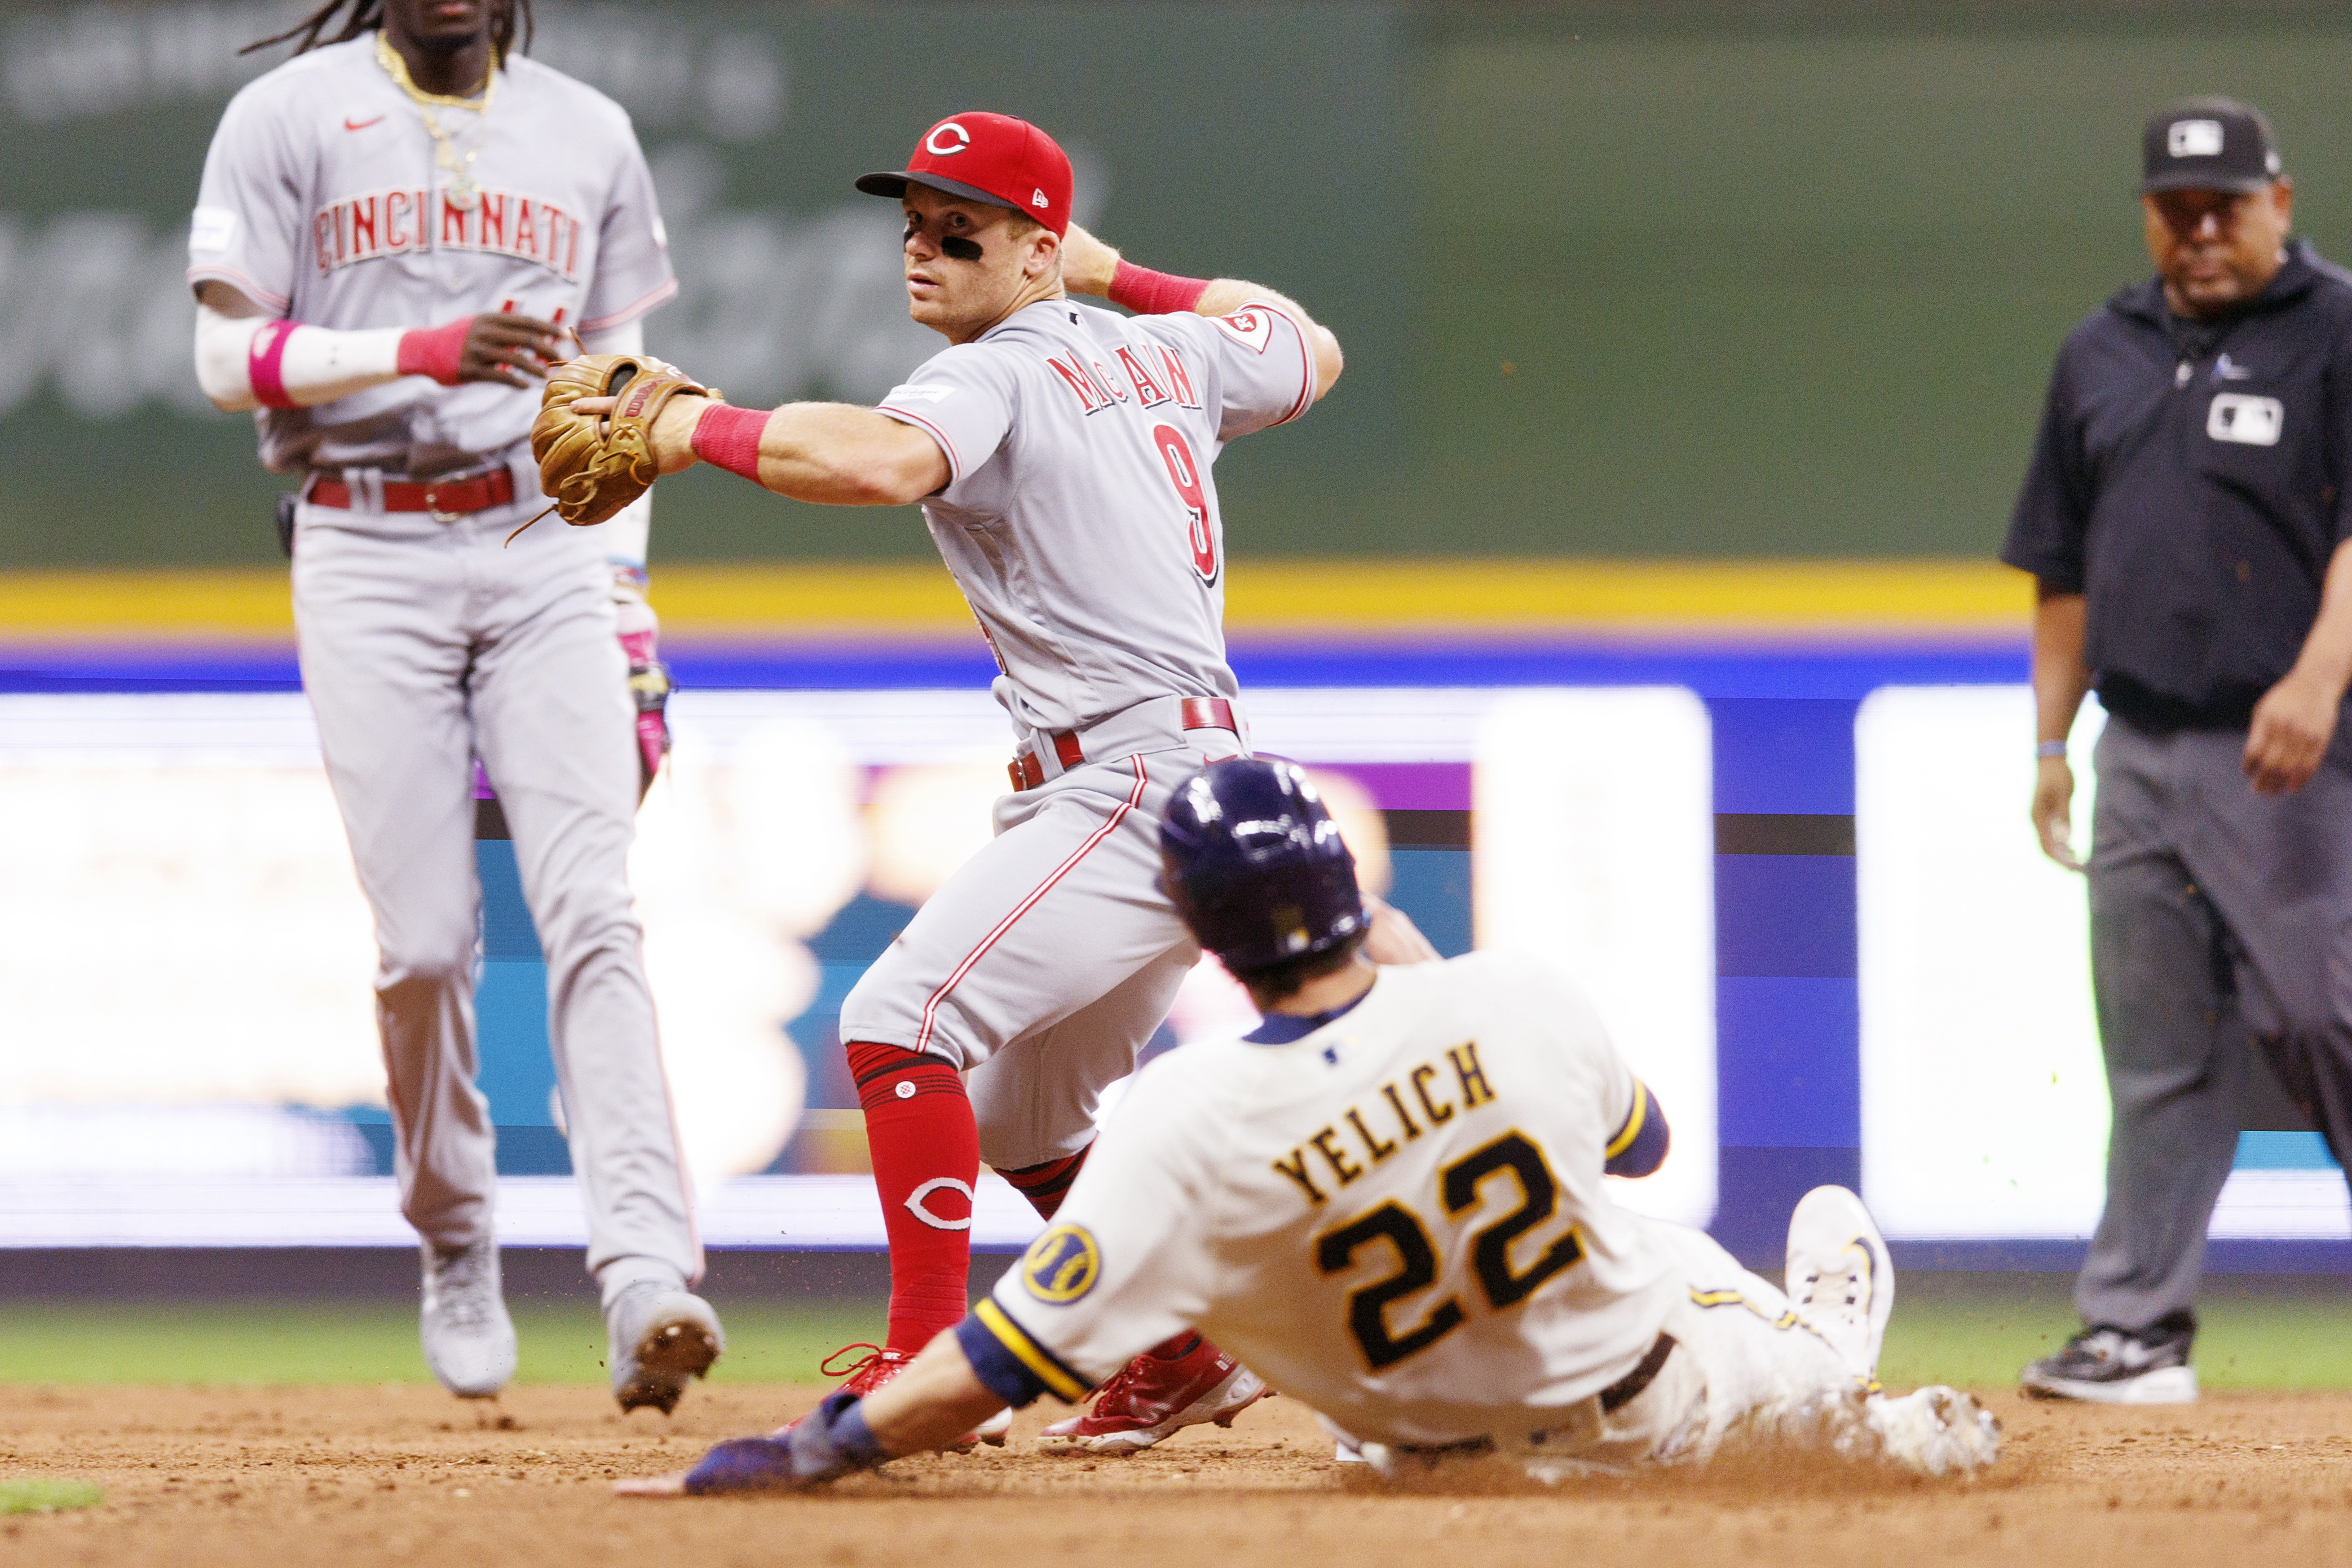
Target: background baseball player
x=1062 y=455
x=396 y=228
x=1389 y=1198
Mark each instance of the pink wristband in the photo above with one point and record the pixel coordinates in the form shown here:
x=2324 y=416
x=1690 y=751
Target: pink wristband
x=728 y=437
x=265 y=364
x=1149 y=293
x=435 y=352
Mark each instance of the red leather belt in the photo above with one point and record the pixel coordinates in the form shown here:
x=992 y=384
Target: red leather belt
x=1199 y=713
x=1209 y=712
x=447 y=498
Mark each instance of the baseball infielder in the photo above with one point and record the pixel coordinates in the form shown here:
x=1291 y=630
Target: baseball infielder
x=410 y=171
x=1388 y=1199
x=1062 y=457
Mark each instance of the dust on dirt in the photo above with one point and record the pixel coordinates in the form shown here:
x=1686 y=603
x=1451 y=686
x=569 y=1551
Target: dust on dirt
x=362 y=1477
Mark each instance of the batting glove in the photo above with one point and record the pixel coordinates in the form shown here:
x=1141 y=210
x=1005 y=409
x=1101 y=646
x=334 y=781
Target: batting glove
x=828 y=1443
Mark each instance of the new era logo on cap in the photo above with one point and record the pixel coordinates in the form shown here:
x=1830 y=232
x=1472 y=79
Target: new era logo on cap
x=991 y=158
x=2194 y=139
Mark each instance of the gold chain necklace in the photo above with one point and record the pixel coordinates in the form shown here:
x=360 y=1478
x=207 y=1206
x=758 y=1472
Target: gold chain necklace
x=463 y=192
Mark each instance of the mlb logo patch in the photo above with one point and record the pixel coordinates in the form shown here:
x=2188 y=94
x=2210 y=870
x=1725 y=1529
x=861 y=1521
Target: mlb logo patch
x=2245 y=420
x=2194 y=139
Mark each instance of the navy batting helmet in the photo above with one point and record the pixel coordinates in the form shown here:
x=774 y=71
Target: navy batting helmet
x=1256 y=866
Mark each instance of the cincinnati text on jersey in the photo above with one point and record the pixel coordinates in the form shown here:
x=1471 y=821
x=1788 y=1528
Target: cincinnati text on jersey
x=1380 y=1126
x=397 y=223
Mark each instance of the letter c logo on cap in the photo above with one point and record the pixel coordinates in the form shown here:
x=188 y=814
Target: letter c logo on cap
x=946 y=140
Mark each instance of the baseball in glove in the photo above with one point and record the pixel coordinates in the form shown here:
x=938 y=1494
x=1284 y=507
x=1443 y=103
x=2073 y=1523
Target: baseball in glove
x=595 y=466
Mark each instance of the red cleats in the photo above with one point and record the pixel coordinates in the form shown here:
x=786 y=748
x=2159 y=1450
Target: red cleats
x=1182 y=1383
x=879 y=1366
x=869 y=1372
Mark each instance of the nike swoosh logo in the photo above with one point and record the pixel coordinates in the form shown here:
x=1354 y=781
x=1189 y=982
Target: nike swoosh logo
x=350 y=124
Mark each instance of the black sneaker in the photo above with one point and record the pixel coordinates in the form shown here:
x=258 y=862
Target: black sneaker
x=2117 y=1366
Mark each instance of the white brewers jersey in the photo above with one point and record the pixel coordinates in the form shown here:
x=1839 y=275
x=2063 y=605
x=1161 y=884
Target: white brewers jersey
x=1400 y=1218
x=1079 y=517
x=321 y=203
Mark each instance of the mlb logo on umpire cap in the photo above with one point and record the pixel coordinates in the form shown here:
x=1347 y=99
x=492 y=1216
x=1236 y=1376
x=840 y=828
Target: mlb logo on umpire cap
x=990 y=158
x=2194 y=139
x=2207 y=144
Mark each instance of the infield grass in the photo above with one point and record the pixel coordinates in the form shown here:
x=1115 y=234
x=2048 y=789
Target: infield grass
x=1978 y=1329
x=280 y=1342
x=43 y=1494
x=1972 y=1330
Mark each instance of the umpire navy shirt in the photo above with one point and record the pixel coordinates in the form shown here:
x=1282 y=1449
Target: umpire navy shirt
x=2188 y=481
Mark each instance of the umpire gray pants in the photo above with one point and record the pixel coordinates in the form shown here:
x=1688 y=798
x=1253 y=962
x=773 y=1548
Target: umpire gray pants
x=423 y=645
x=2221 y=923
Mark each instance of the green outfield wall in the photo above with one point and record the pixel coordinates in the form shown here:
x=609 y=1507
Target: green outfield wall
x=1614 y=281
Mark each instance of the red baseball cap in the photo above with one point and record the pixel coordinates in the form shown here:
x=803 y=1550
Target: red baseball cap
x=990 y=158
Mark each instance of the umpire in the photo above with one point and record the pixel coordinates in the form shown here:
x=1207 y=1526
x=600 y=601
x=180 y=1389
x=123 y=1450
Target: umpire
x=2184 y=518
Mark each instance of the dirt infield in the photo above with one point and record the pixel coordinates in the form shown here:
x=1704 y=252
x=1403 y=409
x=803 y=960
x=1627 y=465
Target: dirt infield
x=359 y=1476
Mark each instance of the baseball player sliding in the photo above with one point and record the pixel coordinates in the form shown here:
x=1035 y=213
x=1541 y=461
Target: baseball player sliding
x=1389 y=1198
x=397 y=229
x=1062 y=455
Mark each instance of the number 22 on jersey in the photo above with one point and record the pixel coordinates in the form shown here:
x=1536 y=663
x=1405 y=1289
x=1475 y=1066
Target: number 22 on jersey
x=1512 y=1155
x=1185 y=473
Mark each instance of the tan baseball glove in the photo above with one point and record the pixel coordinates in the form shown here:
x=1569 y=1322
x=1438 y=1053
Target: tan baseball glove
x=594 y=466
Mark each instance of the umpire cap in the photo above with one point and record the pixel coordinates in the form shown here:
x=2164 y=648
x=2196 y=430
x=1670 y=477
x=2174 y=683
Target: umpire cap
x=2207 y=144
x=1256 y=866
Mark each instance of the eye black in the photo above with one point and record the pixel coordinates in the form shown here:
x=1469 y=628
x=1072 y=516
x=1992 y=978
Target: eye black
x=960 y=249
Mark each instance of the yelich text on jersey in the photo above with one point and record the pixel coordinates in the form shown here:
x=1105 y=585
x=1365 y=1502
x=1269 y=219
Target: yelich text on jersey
x=1427 y=1086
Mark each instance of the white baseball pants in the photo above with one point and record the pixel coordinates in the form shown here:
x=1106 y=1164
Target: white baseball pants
x=1743 y=1370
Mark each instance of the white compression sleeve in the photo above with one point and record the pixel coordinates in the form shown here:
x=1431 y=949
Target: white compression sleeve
x=626 y=534
x=316 y=365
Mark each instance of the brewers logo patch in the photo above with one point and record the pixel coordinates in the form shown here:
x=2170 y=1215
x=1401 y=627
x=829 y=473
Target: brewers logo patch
x=1061 y=1265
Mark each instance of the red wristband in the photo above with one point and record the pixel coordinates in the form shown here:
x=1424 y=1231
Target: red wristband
x=435 y=352
x=1149 y=293
x=728 y=437
x=265 y=364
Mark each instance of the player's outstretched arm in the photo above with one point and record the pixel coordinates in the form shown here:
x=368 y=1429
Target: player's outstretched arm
x=833 y=453
x=1090 y=267
x=942 y=1400
x=932 y=1404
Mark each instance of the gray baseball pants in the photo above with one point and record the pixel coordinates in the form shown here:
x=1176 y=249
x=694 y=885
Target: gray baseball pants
x=2221 y=923
x=424 y=643
x=1042 y=966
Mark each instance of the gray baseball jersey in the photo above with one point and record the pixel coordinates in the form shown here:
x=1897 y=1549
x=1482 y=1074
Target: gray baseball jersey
x=321 y=202
x=1080 y=517
x=426 y=641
